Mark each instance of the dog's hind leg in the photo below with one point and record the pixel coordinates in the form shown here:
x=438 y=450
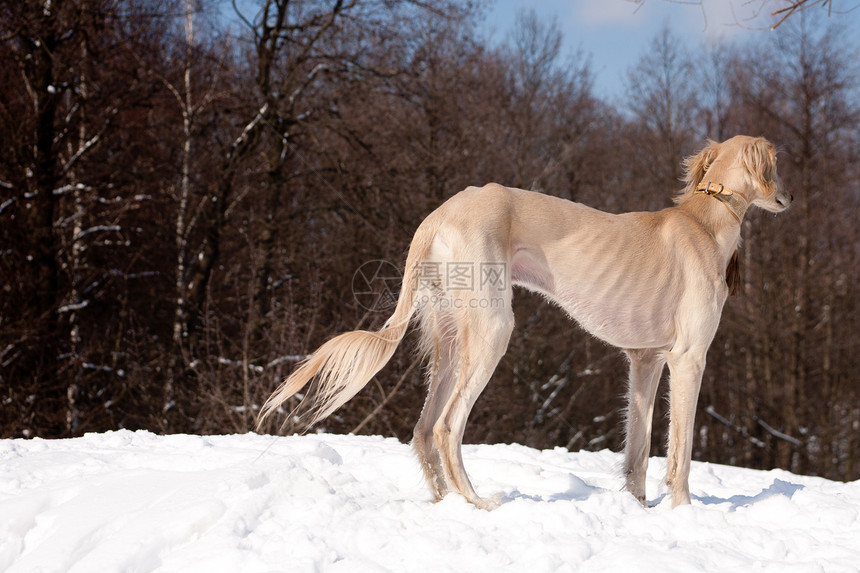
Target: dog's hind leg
x=441 y=345
x=646 y=366
x=483 y=337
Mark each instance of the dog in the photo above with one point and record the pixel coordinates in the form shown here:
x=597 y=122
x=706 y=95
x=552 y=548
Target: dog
x=650 y=283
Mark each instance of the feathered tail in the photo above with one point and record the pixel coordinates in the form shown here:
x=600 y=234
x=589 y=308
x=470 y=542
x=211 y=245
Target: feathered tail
x=346 y=363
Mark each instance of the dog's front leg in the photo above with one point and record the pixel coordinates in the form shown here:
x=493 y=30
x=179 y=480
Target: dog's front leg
x=646 y=366
x=684 y=383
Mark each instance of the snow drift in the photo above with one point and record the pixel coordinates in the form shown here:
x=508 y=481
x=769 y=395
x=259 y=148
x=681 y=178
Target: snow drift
x=134 y=501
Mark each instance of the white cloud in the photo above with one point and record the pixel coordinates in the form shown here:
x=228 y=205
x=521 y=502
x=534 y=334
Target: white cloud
x=711 y=18
x=609 y=11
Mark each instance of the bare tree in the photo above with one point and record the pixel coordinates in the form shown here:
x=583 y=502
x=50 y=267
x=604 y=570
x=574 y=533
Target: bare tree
x=72 y=79
x=662 y=96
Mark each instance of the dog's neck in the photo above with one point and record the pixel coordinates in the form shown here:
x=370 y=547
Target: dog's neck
x=720 y=210
x=735 y=201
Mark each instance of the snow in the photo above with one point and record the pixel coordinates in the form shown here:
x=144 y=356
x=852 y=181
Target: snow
x=136 y=501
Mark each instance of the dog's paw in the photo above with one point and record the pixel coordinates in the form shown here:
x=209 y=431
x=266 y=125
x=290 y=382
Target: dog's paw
x=488 y=503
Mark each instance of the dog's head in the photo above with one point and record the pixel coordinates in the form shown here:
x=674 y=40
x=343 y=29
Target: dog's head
x=744 y=163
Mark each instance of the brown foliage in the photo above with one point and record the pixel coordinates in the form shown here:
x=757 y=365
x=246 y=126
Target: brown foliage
x=183 y=214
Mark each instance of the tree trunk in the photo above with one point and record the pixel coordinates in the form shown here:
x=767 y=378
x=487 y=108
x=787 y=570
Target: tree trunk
x=43 y=268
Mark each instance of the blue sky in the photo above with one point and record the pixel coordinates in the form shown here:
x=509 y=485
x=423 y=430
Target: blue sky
x=615 y=32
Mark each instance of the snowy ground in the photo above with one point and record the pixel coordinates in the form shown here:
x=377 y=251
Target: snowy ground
x=134 y=501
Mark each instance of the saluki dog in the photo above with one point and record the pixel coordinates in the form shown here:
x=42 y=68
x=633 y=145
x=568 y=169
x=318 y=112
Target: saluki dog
x=650 y=283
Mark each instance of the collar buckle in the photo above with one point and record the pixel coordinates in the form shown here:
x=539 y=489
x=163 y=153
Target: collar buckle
x=735 y=202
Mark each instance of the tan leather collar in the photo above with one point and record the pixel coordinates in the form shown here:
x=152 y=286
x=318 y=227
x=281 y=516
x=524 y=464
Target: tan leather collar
x=735 y=201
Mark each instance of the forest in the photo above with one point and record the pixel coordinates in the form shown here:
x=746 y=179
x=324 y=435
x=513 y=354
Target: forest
x=192 y=192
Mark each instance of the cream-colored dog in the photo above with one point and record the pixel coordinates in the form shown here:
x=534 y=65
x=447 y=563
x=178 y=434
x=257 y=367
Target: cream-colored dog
x=652 y=284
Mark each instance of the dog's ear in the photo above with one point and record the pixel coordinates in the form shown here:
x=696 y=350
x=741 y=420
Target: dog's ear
x=695 y=166
x=759 y=160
